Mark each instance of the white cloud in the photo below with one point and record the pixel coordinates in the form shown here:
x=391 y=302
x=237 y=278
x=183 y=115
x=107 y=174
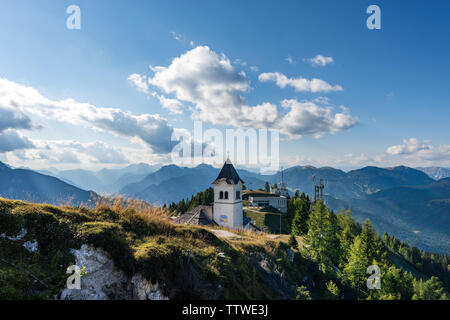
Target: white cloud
x=173 y=105
x=11 y=118
x=420 y=152
x=213 y=86
x=299 y=84
x=175 y=35
x=11 y=140
x=150 y=128
x=140 y=82
x=320 y=60
x=240 y=62
x=308 y=118
x=209 y=82
x=409 y=146
x=290 y=60
x=102 y=153
x=70 y=151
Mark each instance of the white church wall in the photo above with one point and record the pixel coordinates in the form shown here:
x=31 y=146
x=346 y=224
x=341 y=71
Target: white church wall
x=228 y=212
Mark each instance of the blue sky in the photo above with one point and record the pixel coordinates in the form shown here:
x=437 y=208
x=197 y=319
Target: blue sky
x=394 y=81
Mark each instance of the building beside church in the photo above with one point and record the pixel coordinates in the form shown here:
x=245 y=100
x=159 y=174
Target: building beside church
x=261 y=199
x=277 y=197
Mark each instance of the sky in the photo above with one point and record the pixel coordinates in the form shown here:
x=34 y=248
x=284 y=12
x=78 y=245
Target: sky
x=114 y=91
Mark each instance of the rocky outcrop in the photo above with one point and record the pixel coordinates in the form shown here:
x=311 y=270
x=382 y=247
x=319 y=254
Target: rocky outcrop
x=102 y=280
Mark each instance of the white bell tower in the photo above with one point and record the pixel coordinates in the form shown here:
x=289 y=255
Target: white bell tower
x=227 y=210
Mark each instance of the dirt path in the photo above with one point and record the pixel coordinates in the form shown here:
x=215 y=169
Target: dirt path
x=224 y=234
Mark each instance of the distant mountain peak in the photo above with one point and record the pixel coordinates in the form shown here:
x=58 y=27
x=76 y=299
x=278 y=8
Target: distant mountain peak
x=4 y=166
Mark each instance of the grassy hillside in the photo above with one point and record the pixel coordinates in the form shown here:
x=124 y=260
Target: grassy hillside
x=269 y=222
x=190 y=262
x=140 y=240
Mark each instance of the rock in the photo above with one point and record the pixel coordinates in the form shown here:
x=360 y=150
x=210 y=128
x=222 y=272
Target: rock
x=31 y=246
x=19 y=237
x=145 y=290
x=102 y=280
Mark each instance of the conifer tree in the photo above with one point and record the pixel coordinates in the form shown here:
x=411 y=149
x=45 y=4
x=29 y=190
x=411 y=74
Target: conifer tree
x=429 y=290
x=349 y=229
x=366 y=250
x=332 y=292
x=293 y=242
x=300 y=221
x=322 y=239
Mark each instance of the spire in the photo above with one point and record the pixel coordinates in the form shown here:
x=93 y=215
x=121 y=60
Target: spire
x=228 y=174
x=228 y=158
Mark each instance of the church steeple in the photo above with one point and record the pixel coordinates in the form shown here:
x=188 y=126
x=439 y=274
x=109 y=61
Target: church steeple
x=228 y=174
x=227 y=211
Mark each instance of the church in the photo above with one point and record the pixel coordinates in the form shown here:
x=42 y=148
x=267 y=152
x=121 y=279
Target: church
x=227 y=210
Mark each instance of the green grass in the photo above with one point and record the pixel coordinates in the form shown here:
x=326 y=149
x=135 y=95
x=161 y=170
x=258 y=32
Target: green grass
x=184 y=258
x=269 y=222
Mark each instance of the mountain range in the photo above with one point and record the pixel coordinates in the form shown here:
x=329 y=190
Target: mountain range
x=436 y=172
x=32 y=186
x=403 y=201
x=104 y=181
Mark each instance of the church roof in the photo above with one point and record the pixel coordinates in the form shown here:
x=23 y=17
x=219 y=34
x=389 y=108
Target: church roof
x=200 y=215
x=228 y=174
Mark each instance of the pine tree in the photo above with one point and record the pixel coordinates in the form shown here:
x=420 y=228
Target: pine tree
x=293 y=242
x=395 y=284
x=332 y=292
x=322 y=240
x=267 y=187
x=429 y=290
x=349 y=229
x=300 y=221
x=356 y=268
x=366 y=250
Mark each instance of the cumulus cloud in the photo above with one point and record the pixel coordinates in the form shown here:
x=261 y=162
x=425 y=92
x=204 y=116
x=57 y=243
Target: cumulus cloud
x=140 y=82
x=70 y=152
x=320 y=60
x=102 y=153
x=415 y=149
x=409 y=146
x=11 y=118
x=173 y=105
x=209 y=82
x=150 y=128
x=213 y=86
x=11 y=140
x=299 y=84
x=309 y=118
